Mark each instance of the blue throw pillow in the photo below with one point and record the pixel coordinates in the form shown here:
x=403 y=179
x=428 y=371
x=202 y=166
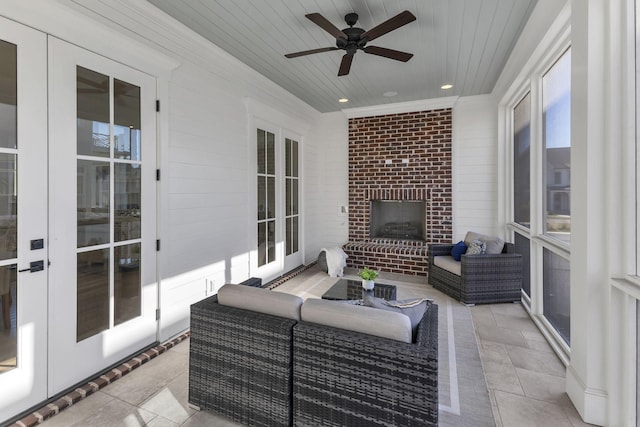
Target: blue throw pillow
x=458 y=250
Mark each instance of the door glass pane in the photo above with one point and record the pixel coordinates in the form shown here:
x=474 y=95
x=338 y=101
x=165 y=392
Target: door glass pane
x=261 y=146
x=92 y=293
x=521 y=166
x=9 y=302
x=93 y=113
x=294 y=158
x=288 y=242
x=262 y=243
x=522 y=247
x=288 y=207
x=287 y=157
x=556 y=131
x=556 y=291
x=262 y=198
x=294 y=197
x=271 y=241
x=8 y=95
x=271 y=153
x=127 y=283
x=126 y=117
x=271 y=197
x=127 y=199
x=8 y=206
x=93 y=202
x=294 y=235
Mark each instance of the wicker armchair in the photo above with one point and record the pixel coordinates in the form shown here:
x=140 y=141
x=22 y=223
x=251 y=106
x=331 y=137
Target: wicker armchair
x=240 y=364
x=484 y=279
x=345 y=378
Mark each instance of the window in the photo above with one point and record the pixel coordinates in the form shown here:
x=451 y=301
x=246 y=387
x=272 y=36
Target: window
x=541 y=191
x=556 y=301
x=521 y=162
x=266 y=197
x=556 y=136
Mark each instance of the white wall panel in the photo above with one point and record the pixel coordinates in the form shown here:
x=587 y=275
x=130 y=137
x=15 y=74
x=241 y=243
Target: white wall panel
x=474 y=166
x=326 y=184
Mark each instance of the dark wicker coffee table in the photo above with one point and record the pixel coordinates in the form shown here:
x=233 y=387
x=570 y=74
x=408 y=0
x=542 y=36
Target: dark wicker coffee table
x=346 y=289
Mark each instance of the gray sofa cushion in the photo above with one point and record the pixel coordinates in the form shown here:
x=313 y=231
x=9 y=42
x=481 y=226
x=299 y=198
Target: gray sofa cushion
x=446 y=262
x=261 y=301
x=385 y=324
x=494 y=244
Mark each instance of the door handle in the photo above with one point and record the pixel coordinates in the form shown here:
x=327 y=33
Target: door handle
x=33 y=267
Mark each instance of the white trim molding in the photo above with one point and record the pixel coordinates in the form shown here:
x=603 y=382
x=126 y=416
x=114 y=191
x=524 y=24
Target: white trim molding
x=401 y=107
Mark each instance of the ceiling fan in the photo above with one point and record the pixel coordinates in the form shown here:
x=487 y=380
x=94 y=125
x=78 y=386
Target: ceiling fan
x=351 y=39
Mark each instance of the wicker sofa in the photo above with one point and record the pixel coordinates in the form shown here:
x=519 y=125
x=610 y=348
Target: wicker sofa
x=262 y=369
x=240 y=362
x=477 y=279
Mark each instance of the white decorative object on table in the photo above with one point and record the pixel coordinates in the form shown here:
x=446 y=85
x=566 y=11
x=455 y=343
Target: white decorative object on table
x=368 y=276
x=368 y=284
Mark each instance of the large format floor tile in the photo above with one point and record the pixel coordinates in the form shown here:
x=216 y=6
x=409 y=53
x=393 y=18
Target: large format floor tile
x=524 y=378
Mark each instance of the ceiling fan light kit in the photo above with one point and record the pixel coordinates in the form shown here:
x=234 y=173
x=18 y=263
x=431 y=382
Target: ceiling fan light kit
x=353 y=38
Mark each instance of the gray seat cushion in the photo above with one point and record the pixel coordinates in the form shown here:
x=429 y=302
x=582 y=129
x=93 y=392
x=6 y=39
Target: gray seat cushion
x=446 y=262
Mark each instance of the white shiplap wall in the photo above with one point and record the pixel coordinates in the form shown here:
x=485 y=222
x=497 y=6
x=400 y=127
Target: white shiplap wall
x=205 y=144
x=326 y=180
x=474 y=166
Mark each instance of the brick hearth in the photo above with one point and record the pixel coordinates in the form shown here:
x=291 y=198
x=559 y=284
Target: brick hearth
x=403 y=156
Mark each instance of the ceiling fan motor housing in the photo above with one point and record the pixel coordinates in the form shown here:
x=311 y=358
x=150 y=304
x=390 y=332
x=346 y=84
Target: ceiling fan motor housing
x=353 y=41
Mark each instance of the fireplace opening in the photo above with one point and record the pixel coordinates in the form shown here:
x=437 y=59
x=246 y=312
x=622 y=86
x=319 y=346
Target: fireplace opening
x=398 y=219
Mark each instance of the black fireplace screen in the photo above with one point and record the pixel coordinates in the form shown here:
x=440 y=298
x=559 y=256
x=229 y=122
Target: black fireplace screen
x=398 y=219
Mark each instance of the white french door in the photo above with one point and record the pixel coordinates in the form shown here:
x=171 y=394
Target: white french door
x=278 y=186
x=292 y=219
x=103 y=295
x=23 y=218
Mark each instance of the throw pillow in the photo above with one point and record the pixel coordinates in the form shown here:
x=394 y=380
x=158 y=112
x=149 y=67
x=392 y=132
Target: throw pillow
x=476 y=247
x=494 y=244
x=414 y=312
x=458 y=250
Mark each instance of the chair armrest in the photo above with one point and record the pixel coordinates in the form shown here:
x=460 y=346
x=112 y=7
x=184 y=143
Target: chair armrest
x=439 y=250
x=503 y=259
x=489 y=267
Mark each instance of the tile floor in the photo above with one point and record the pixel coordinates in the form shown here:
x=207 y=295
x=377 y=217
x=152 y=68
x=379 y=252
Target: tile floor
x=524 y=377
x=526 y=380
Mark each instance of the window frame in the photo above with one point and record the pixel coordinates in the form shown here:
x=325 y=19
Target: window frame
x=543 y=59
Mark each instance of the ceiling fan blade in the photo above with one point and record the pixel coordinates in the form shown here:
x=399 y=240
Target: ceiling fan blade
x=388 y=53
x=310 y=52
x=324 y=23
x=403 y=18
x=345 y=65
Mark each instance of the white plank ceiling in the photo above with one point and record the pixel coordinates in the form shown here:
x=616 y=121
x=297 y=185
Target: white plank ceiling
x=460 y=42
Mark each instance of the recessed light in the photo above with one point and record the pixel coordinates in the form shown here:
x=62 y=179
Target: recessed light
x=390 y=93
x=343 y=100
x=447 y=86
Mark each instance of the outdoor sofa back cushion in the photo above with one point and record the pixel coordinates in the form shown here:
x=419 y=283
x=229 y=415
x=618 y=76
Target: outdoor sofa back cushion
x=494 y=244
x=260 y=300
x=358 y=318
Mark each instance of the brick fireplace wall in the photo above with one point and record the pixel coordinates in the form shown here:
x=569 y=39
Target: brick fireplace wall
x=405 y=156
